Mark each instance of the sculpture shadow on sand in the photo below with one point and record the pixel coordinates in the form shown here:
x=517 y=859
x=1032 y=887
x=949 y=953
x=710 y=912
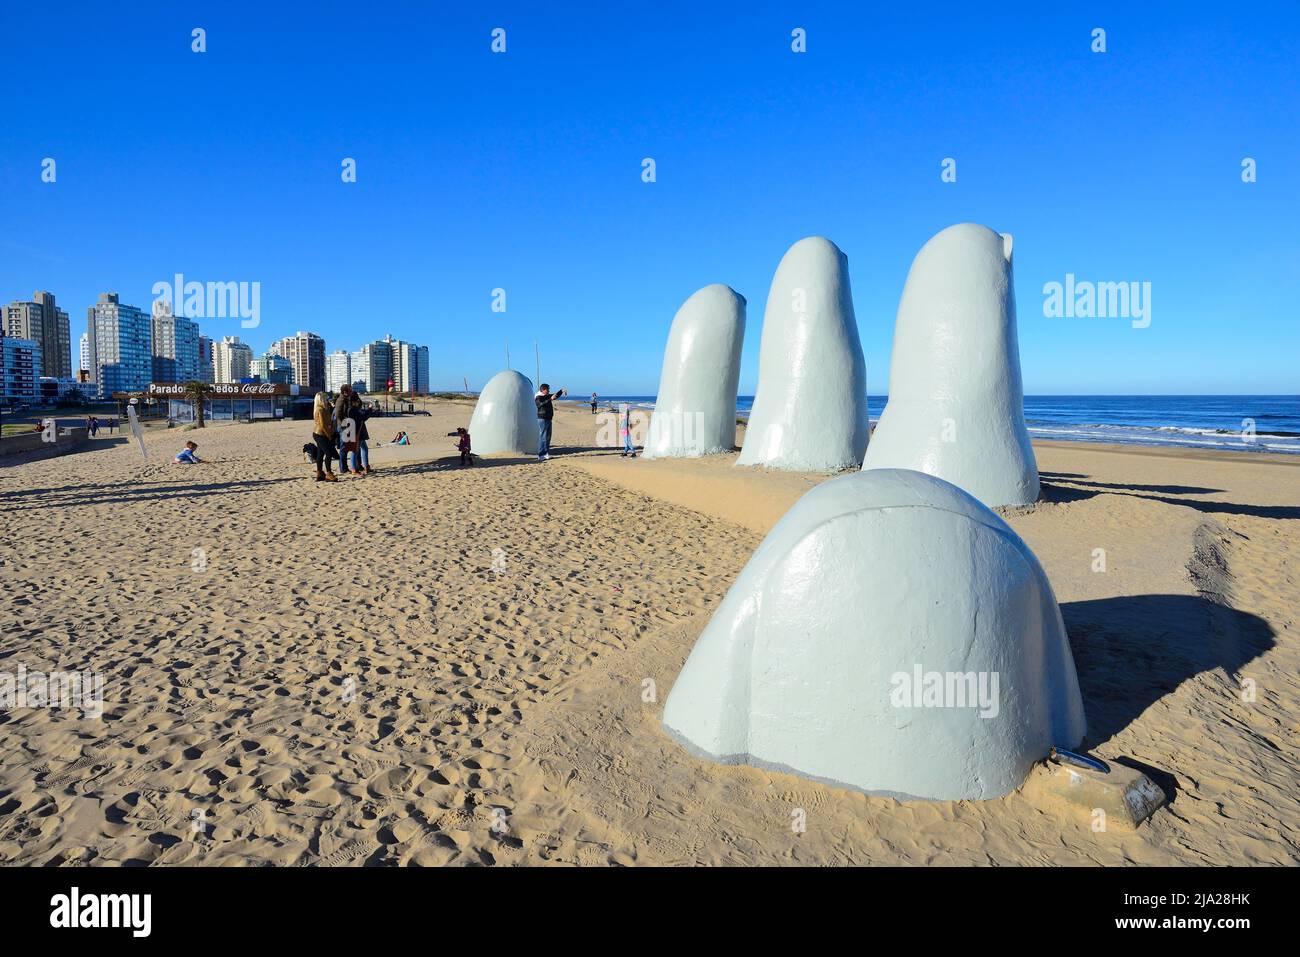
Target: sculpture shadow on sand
x=1130 y=651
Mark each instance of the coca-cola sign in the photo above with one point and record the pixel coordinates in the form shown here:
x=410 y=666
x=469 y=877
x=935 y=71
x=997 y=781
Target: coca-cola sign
x=223 y=389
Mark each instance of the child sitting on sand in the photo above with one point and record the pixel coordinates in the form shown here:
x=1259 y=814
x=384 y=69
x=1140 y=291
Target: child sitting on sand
x=186 y=455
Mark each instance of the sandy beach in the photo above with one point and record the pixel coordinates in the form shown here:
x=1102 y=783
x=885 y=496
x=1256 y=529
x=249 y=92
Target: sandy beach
x=444 y=665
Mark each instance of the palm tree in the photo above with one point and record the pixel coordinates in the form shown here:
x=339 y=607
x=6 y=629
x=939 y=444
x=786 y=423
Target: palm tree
x=198 y=392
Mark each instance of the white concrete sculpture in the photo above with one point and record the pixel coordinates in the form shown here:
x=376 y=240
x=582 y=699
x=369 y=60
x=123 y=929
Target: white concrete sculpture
x=695 y=411
x=956 y=403
x=891 y=634
x=810 y=408
x=505 y=416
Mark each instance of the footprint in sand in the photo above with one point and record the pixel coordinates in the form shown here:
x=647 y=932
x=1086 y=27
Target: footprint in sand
x=351 y=852
x=182 y=852
x=391 y=783
x=317 y=791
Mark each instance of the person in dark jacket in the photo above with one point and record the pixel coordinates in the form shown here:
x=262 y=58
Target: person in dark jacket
x=358 y=413
x=342 y=407
x=545 y=413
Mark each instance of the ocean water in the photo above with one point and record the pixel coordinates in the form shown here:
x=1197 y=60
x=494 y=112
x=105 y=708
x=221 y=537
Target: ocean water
x=1243 y=423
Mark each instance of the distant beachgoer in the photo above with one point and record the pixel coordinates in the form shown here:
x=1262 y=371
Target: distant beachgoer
x=361 y=449
x=323 y=421
x=593 y=403
x=400 y=439
x=545 y=413
x=626 y=428
x=186 y=455
x=92 y=426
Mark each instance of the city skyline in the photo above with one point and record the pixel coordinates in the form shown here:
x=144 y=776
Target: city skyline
x=171 y=360
x=14 y=317
x=126 y=349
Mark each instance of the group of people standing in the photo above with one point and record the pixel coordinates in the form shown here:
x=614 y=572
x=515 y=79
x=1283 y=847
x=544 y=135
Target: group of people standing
x=92 y=425
x=339 y=430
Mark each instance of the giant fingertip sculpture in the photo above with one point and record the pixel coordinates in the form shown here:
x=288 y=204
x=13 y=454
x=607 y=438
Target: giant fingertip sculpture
x=956 y=402
x=810 y=407
x=505 y=416
x=695 y=409
x=892 y=635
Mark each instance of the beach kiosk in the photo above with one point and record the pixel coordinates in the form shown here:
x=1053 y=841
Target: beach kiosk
x=227 y=401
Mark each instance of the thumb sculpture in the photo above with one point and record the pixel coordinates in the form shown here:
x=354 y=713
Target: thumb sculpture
x=810 y=407
x=505 y=416
x=695 y=411
x=956 y=403
x=891 y=634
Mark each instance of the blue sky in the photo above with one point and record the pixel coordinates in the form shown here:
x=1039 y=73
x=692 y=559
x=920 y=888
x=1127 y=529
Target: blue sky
x=523 y=171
